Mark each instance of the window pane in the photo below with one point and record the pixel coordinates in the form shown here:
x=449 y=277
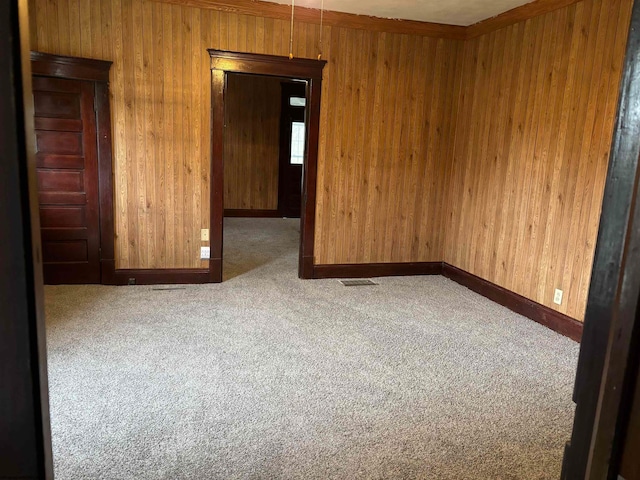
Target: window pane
x=297 y=101
x=297 y=143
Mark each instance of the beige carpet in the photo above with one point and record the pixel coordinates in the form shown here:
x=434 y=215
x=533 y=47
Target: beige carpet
x=269 y=377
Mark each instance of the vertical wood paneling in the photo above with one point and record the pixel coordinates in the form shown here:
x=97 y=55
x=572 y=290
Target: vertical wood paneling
x=387 y=111
x=490 y=154
x=252 y=142
x=382 y=126
x=534 y=129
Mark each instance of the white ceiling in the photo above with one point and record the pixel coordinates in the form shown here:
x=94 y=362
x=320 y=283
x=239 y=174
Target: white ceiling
x=453 y=12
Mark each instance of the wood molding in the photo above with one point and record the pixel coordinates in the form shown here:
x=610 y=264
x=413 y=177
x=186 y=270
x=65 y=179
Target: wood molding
x=25 y=431
x=377 y=24
x=241 y=212
x=224 y=62
x=310 y=177
x=160 y=276
x=105 y=179
x=366 y=270
x=306 y=267
x=515 y=15
x=75 y=68
x=556 y=321
x=546 y=316
x=331 y=18
x=261 y=64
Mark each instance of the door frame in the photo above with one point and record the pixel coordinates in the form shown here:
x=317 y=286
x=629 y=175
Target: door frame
x=224 y=62
x=25 y=430
x=96 y=71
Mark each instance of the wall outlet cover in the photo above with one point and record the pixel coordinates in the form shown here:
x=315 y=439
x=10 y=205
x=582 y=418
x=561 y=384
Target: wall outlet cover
x=205 y=253
x=557 y=298
x=204 y=234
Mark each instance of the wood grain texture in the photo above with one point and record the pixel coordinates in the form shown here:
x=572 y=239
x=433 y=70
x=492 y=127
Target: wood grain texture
x=385 y=131
x=489 y=154
x=386 y=119
x=534 y=131
x=252 y=142
x=515 y=15
x=331 y=18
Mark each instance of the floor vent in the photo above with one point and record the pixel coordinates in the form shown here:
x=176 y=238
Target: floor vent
x=357 y=283
x=162 y=289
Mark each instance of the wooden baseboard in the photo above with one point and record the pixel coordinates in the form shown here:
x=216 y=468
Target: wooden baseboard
x=215 y=270
x=546 y=316
x=237 y=212
x=367 y=270
x=160 y=276
x=306 y=268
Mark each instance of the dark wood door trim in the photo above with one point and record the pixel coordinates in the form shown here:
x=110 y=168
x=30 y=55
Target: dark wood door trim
x=74 y=68
x=222 y=63
x=96 y=71
x=25 y=433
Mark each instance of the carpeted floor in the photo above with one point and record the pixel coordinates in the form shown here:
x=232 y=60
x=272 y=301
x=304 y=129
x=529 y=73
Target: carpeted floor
x=269 y=377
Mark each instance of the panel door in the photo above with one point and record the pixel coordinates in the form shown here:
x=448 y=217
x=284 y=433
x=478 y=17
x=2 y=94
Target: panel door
x=67 y=171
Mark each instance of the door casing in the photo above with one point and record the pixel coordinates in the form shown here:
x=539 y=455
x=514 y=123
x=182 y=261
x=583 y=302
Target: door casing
x=223 y=63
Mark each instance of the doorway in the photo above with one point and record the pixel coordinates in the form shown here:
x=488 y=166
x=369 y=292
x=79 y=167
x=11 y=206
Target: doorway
x=73 y=168
x=222 y=65
x=292 y=135
x=263 y=161
x=264 y=143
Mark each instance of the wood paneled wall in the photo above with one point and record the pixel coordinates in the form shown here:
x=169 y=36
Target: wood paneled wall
x=387 y=115
x=160 y=93
x=489 y=153
x=535 y=122
x=252 y=142
x=384 y=141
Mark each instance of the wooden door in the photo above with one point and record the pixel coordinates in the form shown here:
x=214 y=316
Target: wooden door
x=67 y=173
x=292 y=142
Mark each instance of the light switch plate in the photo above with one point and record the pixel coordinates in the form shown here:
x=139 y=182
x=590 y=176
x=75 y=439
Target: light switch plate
x=205 y=253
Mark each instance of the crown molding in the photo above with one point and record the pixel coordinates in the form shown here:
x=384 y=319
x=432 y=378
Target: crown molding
x=331 y=18
x=515 y=15
x=389 y=25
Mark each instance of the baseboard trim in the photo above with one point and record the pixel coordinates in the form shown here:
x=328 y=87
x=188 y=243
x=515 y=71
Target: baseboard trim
x=306 y=268
x=556 y=321
x=238 y=212
x=541 y=314
x=160 y=276
x=366 y=270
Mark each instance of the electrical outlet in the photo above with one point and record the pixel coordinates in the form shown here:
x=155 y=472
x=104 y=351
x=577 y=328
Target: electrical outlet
x=204 y=234
x=205 y=253
x=557 y=298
